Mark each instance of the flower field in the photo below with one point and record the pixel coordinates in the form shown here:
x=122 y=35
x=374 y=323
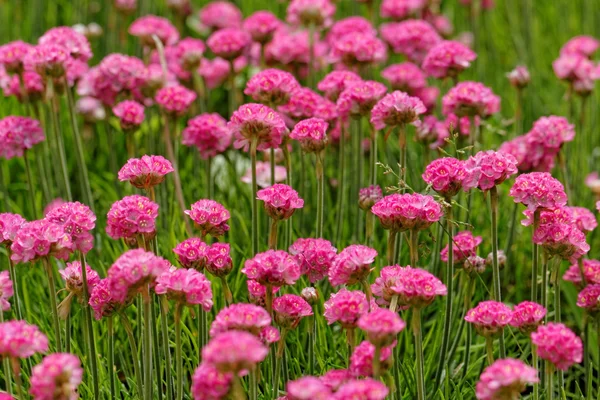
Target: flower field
x=299 y=200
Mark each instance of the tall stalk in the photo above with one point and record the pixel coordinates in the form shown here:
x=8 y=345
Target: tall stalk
x=111 y=358
x=13 y=277
x=6 y=364
x=278 y=361
x=495 y=266
x=134 y=353
x=253 y=146
x=376 y=361
x=17 y=374
x=178 y=357
x=54 y=116
x=210 y=191
x=535 y=262
x=202 y=331
x=391 y=247
x=489 y=349
x=403 y=154
x=52 y=289
x=414 y=248
x=30 y=183
x=147 y=343
x=419 y=368
x=341 y=183
x=320 y=192
x=90 y=328
x=273 y=235
x=166 y=350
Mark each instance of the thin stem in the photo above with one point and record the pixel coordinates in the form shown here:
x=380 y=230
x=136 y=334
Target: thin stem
x=178 y=358
x=535 y=364
x=272 y=164
x=90 y=328
x=288 y=165
x=351 y=340
x=312 y=331
x=414 y=248
x=369 y=223
x=30 y=182
x=238 y=390
x=52 y=289
x=511 y=232
x=17 y=373
x=403 y=156
x=273 y=235
x=535 y=262
x=391 y=247
x=358 y=181
x=202 y=332
x=226 y=291
x=147 y=342
x=253 y=384
x=54 y=115
x=68 y=334
x=341 y=183
x=419 y=369
x=489 y=349
x=134 y=352
x=6 y=362
x=376 y=362
x=164 y=304
x=373 y=157
x=367 y=290
x=394 y=303
x=586 y=356
x=209 y=180
x=253 y=146
x=13 y=277
x=320 y=189
x=550 y=379
x=111 y=358
x=278 y=359
x=495 y=265
x=199 y=89
x=545 y=282
x=466 y=308
x=582 y=271
x=556 y=284
x=269 y=299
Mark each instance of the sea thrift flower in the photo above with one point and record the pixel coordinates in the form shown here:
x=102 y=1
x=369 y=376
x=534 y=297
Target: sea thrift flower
x=146 y=172
x=240 y=317
x=489 y=317
x=192 y=253
x=584 y=46
x=519 y=77
x=359 y=98
x=150 y=25
x=381 y=326
x=18 y=134
x=91 y=109
x=476 y=265
x=334 y=83
x=244 y=351
x=318 y=13
x=311 y=133
x=273 y=268
x=361 y=360
x=406 y=77
x=175 y=100
x=48 y=60
x=562 y=240
x=315 y=257
x=487 y=169
x=10 y=225
x=433 y=133
x=448 y=59
x=352 y=265
x=348 y=25
x=73 y=280
x=13 y=54
x=382 y=287
x=416 y=287
x=115 y=74
x=38 y=239
x=585 y=220
x=214 y=72
x=220 y=14
x=468 y=99
x=272 y=87
x=77 y=44
x=591 y=272
x=125 y=6
x=356 y=49
x=32 y=86
x=367 y=389
x=262 y=25
x=402 y=212
x=538 y=191
x=131 y=216
x=209 y=133
x=102 y=301
x=558 y=344
x=505 y=379
x=257 y=292
x=263 y=174
x=186 y=286
x=346 y=307
x=218 y=260
x=401 y=9
x=465 y=246
x=334 y=378
x=396 y=109
x=310 y=294
x=56 y=377
x=527 y=316
x=254 y=121
x=551 y=132
x=210 y=384
x=307 y=388
x=368 y=196
x=229 y=43
x=412 y=38
x=210 y=217
x=6 y=290
x=588 y=298
x=130 y=114
x=280 y=201
x=18 y=339
x=445 y=175
x=290 y=309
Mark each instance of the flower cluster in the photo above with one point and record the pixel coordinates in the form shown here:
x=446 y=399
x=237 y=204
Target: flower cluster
x=273 y=268
x=396 y=109
x=412 y=38
x=41 y=238
x=448 y=59
x=359 y=98
x=527 y=316
x=10 y=224
x=18 y=339
x=72 y=275
x=18 y=134
x=538 y=191
x=352 y=265
x=311 y=133
x=280 y=201
x=402 y=212
x=57 y=376
x=175 y=100
x=487 y=169
x=368 y=196
x=416 y=287
x=465 y=246
x=145 y=172
x=335 y=82
x=445 y=175
x=130 y=114
x=505 y=379
x=256 y=122
x=210 y=217
x=588 y=298
x=591 y=272
x=361 y=360
x=6 y=290
x=244 y=351
x=315 y=257
x=489 y=317
x=186 y=286
x=131 y=216
x=289 y=310
x=406 y=77
x=469 y=99
x=272 y=87
x=229 y=43
x=101 y=300
x=558 y=344
x=381 y=326
x=208 y=382
x=346 y=307
x=241 y=317
x=150 y=25
x=261 y=26
x=209 y=133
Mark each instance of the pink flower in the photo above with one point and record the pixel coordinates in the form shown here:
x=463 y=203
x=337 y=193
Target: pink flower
x=220 y=14
x=382 y=287
x=489 y=317
x=465 y=246
x=101 y=300
x=505 y=379
x=115 y=74
x=584 y=46
x=218 y=260
x=214 y=72
x=262 y=25
x=18 y=339
x=234 y=351
x=240 y=317
x=32 y=83
x=18 y=134
x=488 y=169
x=346 y=307
x=551 y=132
x=307 y=388
x=558 y=344
x=13 y=54
x=381 y=326
x=527 y=316
x=131 y=216
x=150 y=25
x=448 y=59
x=470 y=99
x=73 y=279
x=304 y=104
x=192 y=253
x=348 y=25
x=359 y=98
x=368 y=196
x=334 y=378
x=258 y=122
x=432 y=132
x=311 y=133
x=519 y=77
x=352 y=265
x=57 y=376
x=396 y=109
x=315 y=257
x=318 y=13
x=257 y=292
x=356 y=49
x=289 y=48
x=406 y=77
x=125 y=6
x=445 y=175
x=77 y=44
x=401 y=9
x=146 y=172
x=41 y=238
x=130 y=114
x=132 y=272
x=289 y=310
x=175 y=100
x=334 y=83
x=588 y=298
x=361 y=360
x=364 y=389
x=6 y=290
x=412 y=38
x=402 y=212
x=538 y=191
x=272 y=87
x=591 y=272
x=10 y=225
x=521 y=149
x=210 y=384
x=263 y=174
x=585 y=220
x=416 y=287
x=187 y=287
x=210 y=217
x=209 y=133
x=48 y=60
x=561 y=240
x=273 y=267
x=229 y=43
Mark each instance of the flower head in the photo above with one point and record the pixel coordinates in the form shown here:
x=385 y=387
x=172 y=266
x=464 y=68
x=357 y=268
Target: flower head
x=280 y=201
x=381 y=326
x=220 y=14
x=192 y=253
x=56 y=377
x=538 y=191
x=334 y=378
x=551 y=132
x=412 y=38
x=558 y=344
x=273 y=268
x=257 y=292
x=150 y=25
x=527 y=316
x=583 y=45
x=210 y=384
x=487 y=169
x=359 y=98
x=186 y=286
x=445 y=175
x=130 y=114
x=13 y=54
x=591 y=272
x=272 y=87
x=401 y=212
x=48 y=60
x=218 y=260
x=401 y=9
x=262 y=25
x=18 y=134
x=175 y=100
x=73 y=278
x=131 y=216
x=352 y=265
x=505 y=379
x=519 y=77
x=357 y=49
x=229 y=43
x=315 y=257
x=589 y=297
x=101 y=300
x=448 y=59
x=470 y=99
x=348 y=25
x=406 y=77
x=41 y=238
x=18 y=339
x=560 y=239
x=465 y=246
x=489 y=317
x=307 y=388
x=145 y=172
x=334 y=83
x=289 y=310
x=311 y=133
x=396 y=109
x=10 y=225
x=210 y=217
x=361 y=360
x=6 y=290
x=116 y=74
x=368 y=196
x=234 y=351
x=318 y=13
x=346 y=307
x=416 y=287
x=364 y=389
x=240 y=317
x=209 y=133
x=258 y=122
x=585 y=220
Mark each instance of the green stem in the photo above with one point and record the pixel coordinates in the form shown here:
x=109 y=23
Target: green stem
x=90 y=328
x=202 y=332
x=419 y=369
x=238 y=390
x=369 y=223
x=535 y=262
x=253 y=384
x=367 y=290
x=320 y=190
x=278 y=359
x=403 y=156
x=373 y=158
x=414 y=248
x=209 y=179
x=391 y=247
x=52 y=289
x=466 y=308
x=511 y=233
x=288 y=165
x=178 y=358
x=147 y=342
x=6 y=363
x=226 y=291
x=519 y=112
x=13 y=277
x=545 y=261
x=30 y=182
x=550 y=379
x=312 y=330
x=17 y=374
x=156 y=353
x=269 y=299
x=489 y=349
x=164 y=326
x=376 y=362
x=586 y=356
x=535 y=364
x=253 y=146
x=232 y=90
x=273 y=235
x=341 y=183
x=394 y=303
x=199 y=89
x=556 y=284
x=495 y=265
x=111 y=358
x=134 y=353
x=54 y=115
x=359 y=155
x=582 y=271
x=68 y=334
x=272 y=164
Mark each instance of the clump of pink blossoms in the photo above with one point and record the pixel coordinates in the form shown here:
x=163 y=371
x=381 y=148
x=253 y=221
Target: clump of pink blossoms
x=280 y=201
x=381 y=326
x=272 y=87
x=352 y=265
x=145 y=172
x=132 y=216
x=465 y=246
x=402 y=212
x=368 y=196
x=416 y=287
x=588 y=298
x=244 y=351
x=318 y=13
x=311 y=133
x=359 y=98
x=77 y=221
x=585 y=220
x=12 y=55
x=241 y=317
x=41 y=238
x=489 y=317
x=505 y=379
x=396 y=109
x=519 y=77
x=262 y=25
x=335 y=82
x=289 y=310
x=210 y=384
x=150 y=25
x=130 y=114
x=101 y=300
x=256 y=122
x=361 y=360
x=406 y=77
x=257 y=292
x=56 y=377
x=315 y=257
x=10 y=224
x=538 y=191
x=447 y=59
x=192 y=253
x=209 y=133
x=210 y=217
x=186 y=286
x=77 y=44
x=355 y=50
x=71 y=274
x=18 y=134
x=18 y=339
x=401 y=9
x=486 y=169
x=527 y=316
x=591 y=272
x=229 y=43
x=346 y=307
x=369 y=389
x=6 y=290
x=469 y=99
x=307 y=388
x=558 y=344
x=445 y=175
x=272 y=268
x=218 y=260
x=220 y=14
x=263 y=174
x=412 y=38
x=175 y=100
x=561 y=239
